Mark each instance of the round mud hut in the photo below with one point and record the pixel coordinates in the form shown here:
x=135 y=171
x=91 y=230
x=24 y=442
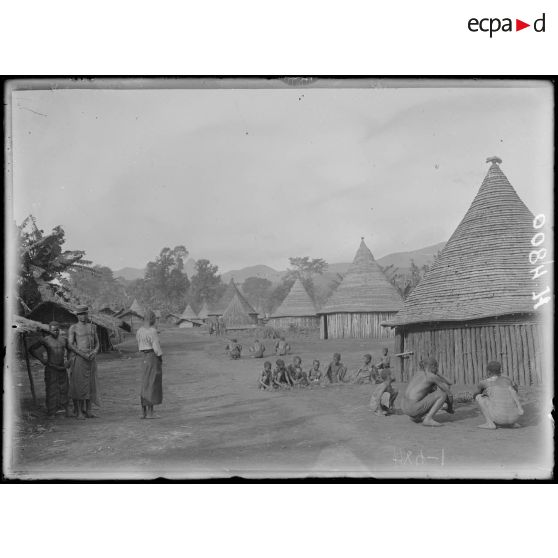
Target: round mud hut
x=362 y=301
x=297 y=309
x=476 y=303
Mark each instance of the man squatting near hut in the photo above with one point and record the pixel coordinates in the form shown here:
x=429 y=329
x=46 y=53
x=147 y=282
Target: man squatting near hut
x=84 y=341
x=497 y=398
x=56 y=374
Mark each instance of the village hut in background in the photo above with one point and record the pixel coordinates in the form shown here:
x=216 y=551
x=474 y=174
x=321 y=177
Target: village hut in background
x=362 y=301
x=107 y=310
x=204 y=312
x=218 y=309
x=63 y=313
x=188 y=318
x=133 y=316
x=476 y=303
x=297 y=309
x=239 y=314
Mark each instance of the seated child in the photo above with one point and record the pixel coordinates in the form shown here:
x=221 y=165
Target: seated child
x=266 y=377
x=298 y=376
x=381 y=388
x=234 y=349
x=281 y=378
x=315 y=374
x=258 y=349
x=282 y=347
x=364 y=374
x=336 y=370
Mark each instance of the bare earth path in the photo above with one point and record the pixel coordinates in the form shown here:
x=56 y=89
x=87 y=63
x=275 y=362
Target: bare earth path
x=215 y=422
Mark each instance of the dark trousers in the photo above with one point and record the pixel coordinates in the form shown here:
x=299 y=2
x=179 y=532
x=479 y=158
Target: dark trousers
x=56 y=387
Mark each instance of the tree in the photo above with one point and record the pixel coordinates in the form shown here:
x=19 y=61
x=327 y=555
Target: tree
x=206 y=284
x=43 y=263
x=258 y=289
x=165 y=284
x=98 y=289
x=405 y=282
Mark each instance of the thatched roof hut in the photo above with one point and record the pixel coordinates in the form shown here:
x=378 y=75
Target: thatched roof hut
x=221 y=305
x=204 y=312
x=475 y=304
x=363 y=300
x=297 y=309
x=64 y=313
x=239 y=314
x=188 y=318
x=133 y=316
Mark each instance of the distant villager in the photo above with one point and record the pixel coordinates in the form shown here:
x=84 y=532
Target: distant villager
x=336 y=370
x=258 y=349
x=282 y=348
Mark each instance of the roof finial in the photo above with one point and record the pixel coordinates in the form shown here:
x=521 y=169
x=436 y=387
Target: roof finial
x=494 y=160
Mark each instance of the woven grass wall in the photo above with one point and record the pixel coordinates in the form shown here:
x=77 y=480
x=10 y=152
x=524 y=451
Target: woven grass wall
x=464 y=352
x=356 y=325
x=308 y=322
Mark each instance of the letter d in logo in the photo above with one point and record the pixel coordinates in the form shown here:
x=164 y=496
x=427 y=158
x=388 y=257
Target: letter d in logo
x=539 y=24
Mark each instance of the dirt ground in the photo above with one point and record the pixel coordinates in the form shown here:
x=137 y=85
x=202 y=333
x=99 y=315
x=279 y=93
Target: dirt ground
x=216 y=423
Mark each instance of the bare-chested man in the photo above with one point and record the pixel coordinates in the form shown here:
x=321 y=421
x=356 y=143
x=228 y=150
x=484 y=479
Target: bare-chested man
x=56 y=375
x=498 y=400
x=84 y=342
x=422 y=400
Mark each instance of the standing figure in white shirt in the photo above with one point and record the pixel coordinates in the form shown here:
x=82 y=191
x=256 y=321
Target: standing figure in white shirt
x=152 y=366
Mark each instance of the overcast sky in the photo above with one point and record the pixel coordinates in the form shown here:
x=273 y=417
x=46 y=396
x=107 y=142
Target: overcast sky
x=245 y=177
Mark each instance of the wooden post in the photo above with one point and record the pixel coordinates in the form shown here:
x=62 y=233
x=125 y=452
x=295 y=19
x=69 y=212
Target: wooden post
x=31 y=383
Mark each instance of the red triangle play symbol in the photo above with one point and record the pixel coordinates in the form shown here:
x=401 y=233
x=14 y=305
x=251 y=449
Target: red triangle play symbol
x=519 y=25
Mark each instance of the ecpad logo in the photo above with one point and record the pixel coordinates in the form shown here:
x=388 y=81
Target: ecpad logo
x=494 y=24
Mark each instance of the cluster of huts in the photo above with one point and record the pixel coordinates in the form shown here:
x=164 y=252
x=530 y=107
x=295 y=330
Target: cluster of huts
x=475 y=304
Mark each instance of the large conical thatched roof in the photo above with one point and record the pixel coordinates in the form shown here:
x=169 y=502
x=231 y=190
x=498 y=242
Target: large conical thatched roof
x=484 y=268
x=239 y=312
x=364 y=288
x=296 y=304
x=204 y=312
x=219 y=308
x=188 y=313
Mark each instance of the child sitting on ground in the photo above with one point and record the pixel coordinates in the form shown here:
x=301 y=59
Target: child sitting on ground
x=266 y=381
x=297 y=374
x=315 y=374
x=234 y=349
x=364 y=374
x=378 y=392
x=281 y=378
x=336 y=370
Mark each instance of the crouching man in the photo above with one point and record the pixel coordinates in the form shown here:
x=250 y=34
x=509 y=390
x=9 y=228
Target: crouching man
x=426 y=394
x=498 y=400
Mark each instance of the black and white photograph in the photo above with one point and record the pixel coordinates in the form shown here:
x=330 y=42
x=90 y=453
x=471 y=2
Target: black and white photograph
x=278 y=278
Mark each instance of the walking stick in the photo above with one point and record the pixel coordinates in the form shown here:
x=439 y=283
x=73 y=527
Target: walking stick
x=31 y=383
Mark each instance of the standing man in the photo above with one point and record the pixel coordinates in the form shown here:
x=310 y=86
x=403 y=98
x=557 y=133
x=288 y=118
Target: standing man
x=56 y=375
x=84 y=342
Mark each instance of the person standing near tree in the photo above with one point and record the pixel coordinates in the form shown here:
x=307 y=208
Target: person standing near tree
x=84 y=342
x=152 y=366
x=56 y=375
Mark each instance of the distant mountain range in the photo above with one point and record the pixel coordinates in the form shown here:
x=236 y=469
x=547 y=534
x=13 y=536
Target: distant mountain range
x=401 y=260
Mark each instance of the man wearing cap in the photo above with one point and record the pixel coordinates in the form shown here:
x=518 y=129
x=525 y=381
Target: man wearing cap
x=497 y=398
x=56 y=375
x=426 y=394
x=84 y=342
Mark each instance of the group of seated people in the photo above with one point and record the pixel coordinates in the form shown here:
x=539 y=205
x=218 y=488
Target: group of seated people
x=426 y=393
x=234 y=348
